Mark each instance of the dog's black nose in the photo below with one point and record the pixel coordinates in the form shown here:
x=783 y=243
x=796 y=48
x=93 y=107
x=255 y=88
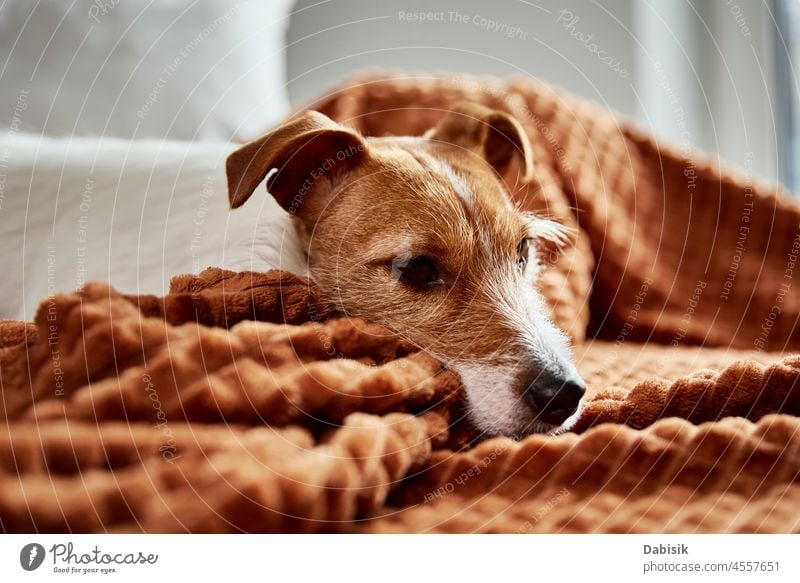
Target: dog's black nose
x=555 y=399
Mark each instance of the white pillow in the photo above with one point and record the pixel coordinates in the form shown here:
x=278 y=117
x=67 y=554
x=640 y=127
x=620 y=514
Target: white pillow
x=166 y=69
x=133 y=213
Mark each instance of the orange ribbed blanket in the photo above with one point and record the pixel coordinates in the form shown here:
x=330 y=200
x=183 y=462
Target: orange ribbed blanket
x=239 y=402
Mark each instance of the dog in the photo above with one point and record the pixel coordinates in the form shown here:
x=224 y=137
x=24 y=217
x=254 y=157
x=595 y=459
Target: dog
x=420 y=234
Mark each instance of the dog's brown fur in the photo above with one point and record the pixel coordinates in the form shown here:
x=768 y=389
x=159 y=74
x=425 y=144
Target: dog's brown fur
x=359 y=203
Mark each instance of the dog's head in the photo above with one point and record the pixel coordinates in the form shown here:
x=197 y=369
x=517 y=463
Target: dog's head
x=421 y=235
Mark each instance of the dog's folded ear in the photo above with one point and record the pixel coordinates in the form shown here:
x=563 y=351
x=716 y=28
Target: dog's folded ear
x=491 y=133
x=299 y=158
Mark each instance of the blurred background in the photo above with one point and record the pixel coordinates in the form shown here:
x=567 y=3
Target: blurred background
x=712 y=74
x=716 y=74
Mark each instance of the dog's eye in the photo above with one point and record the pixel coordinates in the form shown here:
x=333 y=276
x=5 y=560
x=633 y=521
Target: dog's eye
x=419 y=271
x=522 y=255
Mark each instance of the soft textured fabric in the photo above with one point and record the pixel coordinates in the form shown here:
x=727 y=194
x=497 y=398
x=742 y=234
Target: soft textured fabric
x=239 y=402
x=182 y=414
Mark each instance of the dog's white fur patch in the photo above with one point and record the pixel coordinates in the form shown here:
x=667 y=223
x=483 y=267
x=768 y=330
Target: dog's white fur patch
x=539 y=228
x=446 y=171
x=458 y=183
x=260 y=237
x=493 y=406
x=496 y=405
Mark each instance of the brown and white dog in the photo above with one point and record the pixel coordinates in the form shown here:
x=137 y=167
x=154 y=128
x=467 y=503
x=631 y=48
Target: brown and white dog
x=421 y=235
